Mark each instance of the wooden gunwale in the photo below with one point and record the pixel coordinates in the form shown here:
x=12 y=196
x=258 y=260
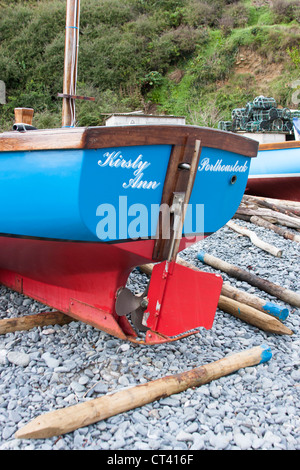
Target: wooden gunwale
x=280 y=145
x=105 y=137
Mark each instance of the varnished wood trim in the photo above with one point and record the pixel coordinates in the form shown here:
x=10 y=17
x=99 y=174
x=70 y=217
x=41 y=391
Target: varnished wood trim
x=171 y=183
x=52 y=139
x=106 y=136
x=177 y=180
x=292 y=144
x=168 y=134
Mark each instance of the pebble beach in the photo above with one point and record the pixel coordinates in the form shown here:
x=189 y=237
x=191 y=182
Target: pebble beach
x=255 y=408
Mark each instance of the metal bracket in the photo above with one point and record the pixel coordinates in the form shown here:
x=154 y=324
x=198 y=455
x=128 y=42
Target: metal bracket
x=177 y=209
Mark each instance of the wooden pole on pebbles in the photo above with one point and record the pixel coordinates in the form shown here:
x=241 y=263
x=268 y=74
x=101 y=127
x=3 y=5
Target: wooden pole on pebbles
x=252 y=316
x=275 y=310
x=291 y=208
x=26 y=322
x=255 y=239
x=285 y=295
x=288 y=235
x=270 y=215
x=62 y=421
x=285 y=213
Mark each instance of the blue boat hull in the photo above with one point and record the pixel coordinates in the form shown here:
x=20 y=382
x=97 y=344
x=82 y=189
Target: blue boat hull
x=86 y=195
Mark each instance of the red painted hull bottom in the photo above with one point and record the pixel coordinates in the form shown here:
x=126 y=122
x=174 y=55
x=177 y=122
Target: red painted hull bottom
x=285 y=188
x=82 y=279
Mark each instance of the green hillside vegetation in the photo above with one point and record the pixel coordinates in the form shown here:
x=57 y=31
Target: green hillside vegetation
x=199 y=59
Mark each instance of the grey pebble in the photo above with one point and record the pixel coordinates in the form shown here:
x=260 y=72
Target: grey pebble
x=50 y=361
x=198 y=442
x=184 y=436
x=219 y=441
x=100 y=388
x=77 y=387
x=3 y=356
x=8 y=431
x=243 y=441
x=18 y=358
x=123 y=380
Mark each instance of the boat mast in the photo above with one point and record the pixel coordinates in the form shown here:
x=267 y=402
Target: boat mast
x=70 y=64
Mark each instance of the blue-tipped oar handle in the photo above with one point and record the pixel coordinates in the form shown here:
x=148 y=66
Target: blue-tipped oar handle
x=266 y=353
x=201 y=256
x=276 y=311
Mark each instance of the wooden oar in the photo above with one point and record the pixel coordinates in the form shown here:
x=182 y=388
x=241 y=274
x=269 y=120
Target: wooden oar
x=68 y=419
x=253 y=317
x=286 y=295
x=275 y=310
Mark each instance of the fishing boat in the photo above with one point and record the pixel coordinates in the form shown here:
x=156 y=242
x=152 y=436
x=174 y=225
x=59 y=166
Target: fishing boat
x=275 y=173
x=82 y=207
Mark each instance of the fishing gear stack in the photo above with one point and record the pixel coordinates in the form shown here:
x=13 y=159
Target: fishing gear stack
x=261 y=115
